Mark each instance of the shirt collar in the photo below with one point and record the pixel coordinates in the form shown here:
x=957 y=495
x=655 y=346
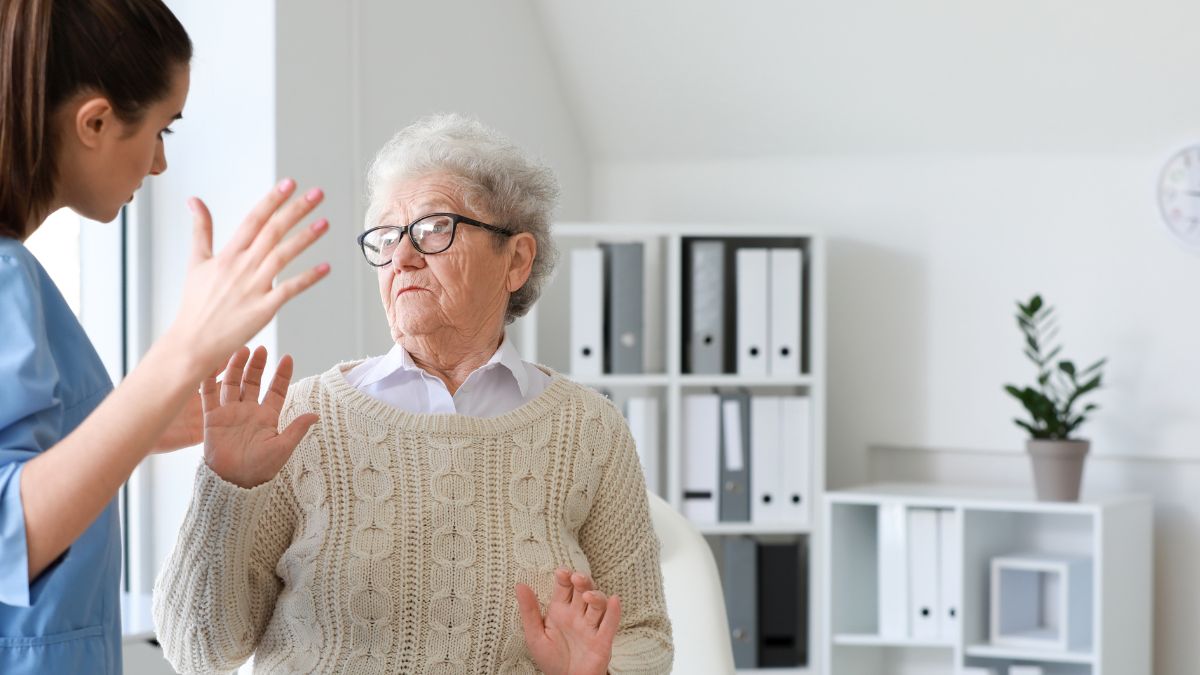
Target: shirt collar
x=510 y=358
x=398 y=359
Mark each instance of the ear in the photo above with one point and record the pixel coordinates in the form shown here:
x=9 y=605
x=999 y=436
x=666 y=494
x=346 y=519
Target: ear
x=94 y=118
x=522 y=249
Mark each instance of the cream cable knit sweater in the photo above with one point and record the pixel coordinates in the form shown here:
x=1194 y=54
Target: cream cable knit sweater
x=391 y=542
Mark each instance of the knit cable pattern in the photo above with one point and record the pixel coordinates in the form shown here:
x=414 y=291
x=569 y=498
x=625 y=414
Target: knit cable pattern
x=392 y=541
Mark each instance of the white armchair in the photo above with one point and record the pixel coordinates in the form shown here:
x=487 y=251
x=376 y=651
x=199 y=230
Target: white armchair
x=695 y=601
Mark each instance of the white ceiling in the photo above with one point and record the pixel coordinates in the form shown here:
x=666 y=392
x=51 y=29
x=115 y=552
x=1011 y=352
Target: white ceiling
x=662 y=80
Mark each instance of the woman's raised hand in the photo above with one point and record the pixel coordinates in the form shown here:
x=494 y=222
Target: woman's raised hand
x=576 y=635
x=242 y=441
x=230 y=296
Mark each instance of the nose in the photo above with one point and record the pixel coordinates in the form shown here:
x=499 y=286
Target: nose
x=406 y=256
x=159 y=164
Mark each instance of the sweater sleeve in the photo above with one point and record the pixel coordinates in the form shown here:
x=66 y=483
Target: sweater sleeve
x=218 y=587
x=622 y=551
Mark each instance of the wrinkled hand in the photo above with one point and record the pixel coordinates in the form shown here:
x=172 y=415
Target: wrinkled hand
x=242 y=443
x=186 y=430
x=230 y=296
x=576 y=635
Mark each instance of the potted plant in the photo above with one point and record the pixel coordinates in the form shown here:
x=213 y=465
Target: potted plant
x=1054 y=406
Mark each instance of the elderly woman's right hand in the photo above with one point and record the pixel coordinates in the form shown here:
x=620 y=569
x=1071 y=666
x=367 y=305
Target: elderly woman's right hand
x=242 y=441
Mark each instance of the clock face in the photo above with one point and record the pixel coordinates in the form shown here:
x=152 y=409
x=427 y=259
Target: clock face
x=1179 y=195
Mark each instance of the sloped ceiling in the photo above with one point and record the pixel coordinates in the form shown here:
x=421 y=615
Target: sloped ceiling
x=663 y=80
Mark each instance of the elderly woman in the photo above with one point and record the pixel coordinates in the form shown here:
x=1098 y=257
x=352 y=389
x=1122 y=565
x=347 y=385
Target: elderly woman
x=453 y=509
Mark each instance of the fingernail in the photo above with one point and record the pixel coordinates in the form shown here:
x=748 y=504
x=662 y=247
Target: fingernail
x=320 y=225
x=286 y=184
x=191 y=204
x=313 y=194
x=322 y=268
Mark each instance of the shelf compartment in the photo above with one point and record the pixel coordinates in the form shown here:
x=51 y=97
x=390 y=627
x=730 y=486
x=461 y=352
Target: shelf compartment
x=731 y=380
x=988 y=651
x=892 y=659
x=751 y=529
x=601 y=381
x=871 y=640
x=990 y=534
x=554 y=351
x=731 y=244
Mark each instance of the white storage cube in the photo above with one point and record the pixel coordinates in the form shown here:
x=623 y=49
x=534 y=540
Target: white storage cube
x=1042 y=601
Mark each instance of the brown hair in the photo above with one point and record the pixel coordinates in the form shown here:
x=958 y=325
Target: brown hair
x=51 y=50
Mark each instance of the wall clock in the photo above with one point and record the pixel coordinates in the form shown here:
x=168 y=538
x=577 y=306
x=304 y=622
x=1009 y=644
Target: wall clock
x=1179 y=195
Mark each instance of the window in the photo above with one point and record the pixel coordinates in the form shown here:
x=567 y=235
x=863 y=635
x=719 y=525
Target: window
x=56 y=245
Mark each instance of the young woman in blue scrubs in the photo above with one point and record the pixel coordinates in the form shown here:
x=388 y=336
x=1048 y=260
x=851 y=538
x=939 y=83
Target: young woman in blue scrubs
x=87 y=90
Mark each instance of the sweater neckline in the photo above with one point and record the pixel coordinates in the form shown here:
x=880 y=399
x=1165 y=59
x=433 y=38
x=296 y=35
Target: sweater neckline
x=557 y=392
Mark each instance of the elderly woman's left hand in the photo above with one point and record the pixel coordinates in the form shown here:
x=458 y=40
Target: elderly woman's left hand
x=576 y=636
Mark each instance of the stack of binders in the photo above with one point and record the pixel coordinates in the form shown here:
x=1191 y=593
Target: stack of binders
x=641 y=412
x=765 y=601
x=756 y=449
x=701 y=443
x=781 y=446
x=607 y=309
x=767 y=310
x=919 y=573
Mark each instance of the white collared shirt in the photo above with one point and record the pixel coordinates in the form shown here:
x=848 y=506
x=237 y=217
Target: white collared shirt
x=501 y=385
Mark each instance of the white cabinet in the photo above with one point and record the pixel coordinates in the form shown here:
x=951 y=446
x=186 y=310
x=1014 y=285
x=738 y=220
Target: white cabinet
x=545 y=337
x=1102 y=549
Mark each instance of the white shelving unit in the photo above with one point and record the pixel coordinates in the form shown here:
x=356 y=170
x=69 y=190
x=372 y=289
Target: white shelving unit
x=1114 y=532
x=545 y=338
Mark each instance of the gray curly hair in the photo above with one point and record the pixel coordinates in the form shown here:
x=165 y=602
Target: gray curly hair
x=496 y=176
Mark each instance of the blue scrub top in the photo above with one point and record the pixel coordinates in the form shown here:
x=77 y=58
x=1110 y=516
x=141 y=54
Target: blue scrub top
x=68 y=619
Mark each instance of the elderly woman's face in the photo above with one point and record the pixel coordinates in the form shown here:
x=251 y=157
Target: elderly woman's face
x=463 y=289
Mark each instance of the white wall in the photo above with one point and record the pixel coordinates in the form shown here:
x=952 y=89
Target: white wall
x=315 y=127
x=223 y=151
x=928 y=254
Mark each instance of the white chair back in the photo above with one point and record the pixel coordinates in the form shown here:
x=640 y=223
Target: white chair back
x=695 y=601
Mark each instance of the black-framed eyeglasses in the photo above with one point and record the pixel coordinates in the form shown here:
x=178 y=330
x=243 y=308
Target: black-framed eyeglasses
x=429 y=234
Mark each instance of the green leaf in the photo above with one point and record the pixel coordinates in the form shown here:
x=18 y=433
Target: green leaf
x=1086 y=387
x=1027 y=427
x=1067 y=367
x=1094 y=366
x=1074 y=424
x=1035 y=303
x=1091 y=384
x=1032 y=343
x=1045 y=317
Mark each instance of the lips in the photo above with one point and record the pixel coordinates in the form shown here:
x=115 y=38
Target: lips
x=406 y=289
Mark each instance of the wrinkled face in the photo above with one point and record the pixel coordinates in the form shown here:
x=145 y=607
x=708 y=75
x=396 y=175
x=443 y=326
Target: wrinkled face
x=109 y=159
x=463 y=290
